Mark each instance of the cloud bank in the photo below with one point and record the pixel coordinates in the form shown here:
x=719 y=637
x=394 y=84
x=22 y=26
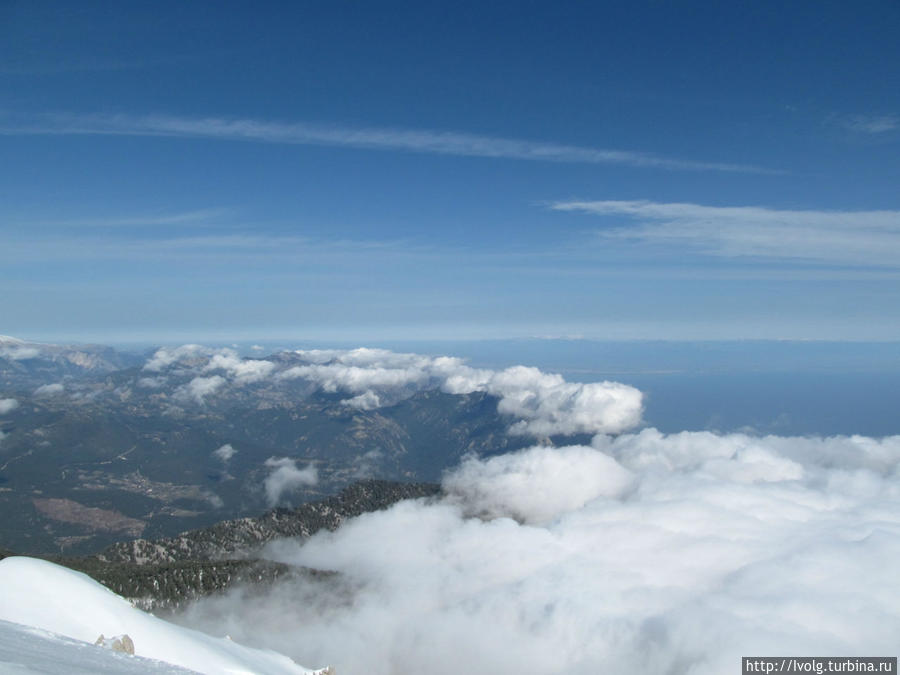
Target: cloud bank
x=539 y=404
x=839 y=237
x=545 y=404
x=640 y=553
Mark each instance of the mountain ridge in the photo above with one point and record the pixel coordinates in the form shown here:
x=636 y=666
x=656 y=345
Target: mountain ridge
x=166 y=574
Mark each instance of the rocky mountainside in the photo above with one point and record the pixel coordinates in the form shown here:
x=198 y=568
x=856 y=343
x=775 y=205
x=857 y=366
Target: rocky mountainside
x=164 y=574
x=34 y=364
x=95 y=448
x=241 y=538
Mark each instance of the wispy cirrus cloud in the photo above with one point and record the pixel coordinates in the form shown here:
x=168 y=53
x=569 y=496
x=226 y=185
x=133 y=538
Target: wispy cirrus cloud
x=222 y=248
x=195 y=218
x=302 y=133
x=872 y=124
x=835 y=237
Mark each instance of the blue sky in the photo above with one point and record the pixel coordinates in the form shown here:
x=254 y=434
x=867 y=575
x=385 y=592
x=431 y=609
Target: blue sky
x=360 y=171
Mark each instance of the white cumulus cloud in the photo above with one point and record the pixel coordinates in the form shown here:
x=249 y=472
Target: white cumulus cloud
x=244 y=371
x=8 y=405
x=225 y=453
x=285 y=478
x=546 y=404
x=166 y=356
x=49 y=389
x=202 y=359
x=200 y=387
x=18 y=353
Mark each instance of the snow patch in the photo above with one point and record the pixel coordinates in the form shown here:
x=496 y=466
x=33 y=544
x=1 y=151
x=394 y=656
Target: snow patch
x=53 y=598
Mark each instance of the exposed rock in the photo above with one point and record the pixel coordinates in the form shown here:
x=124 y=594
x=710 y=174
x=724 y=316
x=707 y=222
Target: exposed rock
x=117 y=643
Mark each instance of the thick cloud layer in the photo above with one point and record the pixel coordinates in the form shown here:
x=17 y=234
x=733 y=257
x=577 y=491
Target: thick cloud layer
x=645 y=553
x=537 y=485
x=540 y=404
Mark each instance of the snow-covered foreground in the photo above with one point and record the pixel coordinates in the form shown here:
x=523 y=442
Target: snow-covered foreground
x=27 y=650
x=40 y=595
